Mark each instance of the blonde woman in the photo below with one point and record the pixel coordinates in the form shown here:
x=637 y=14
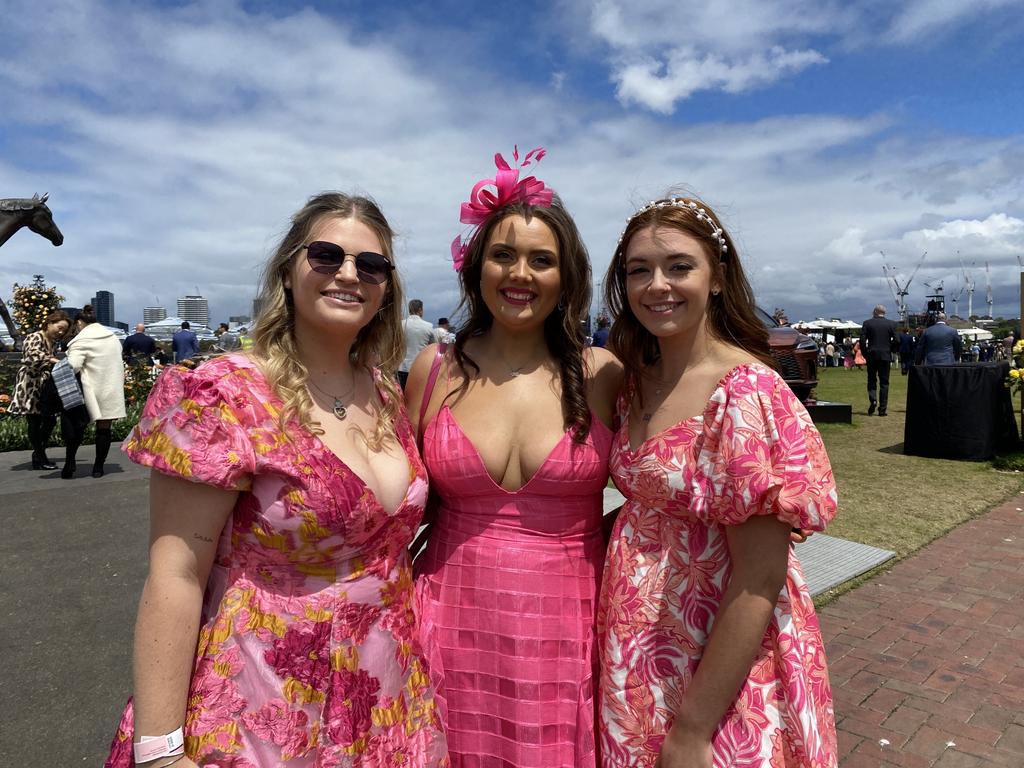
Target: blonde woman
x=275 y=627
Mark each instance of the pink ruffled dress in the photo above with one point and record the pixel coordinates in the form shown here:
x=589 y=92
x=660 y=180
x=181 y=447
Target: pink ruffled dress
x=754 y=451
x=508 y=591
x=307 y=654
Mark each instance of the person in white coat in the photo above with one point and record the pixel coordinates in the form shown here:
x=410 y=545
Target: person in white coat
x=95 y=354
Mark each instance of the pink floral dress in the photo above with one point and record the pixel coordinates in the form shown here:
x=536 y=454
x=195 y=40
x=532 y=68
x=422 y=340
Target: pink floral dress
x=754 y=451
x=307 y=654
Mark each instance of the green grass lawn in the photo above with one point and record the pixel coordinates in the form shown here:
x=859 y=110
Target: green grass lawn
x=890 y=500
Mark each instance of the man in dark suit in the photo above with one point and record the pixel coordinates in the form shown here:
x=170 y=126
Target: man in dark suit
x=138 y=349
x=184 y=344
x=907 y=344
x=877 y=337
x=939 y=344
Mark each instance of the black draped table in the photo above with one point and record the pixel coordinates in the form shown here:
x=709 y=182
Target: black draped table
x=959 y=411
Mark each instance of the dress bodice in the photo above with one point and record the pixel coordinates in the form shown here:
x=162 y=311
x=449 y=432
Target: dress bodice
x=571 y=475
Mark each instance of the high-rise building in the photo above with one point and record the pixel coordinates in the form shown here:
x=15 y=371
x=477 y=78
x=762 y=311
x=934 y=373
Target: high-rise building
x=153 y=314
x=103 y=303
x=256 y=306
x=195 y=309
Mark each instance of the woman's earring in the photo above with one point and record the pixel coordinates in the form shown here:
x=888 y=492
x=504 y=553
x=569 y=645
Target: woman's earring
x=715 y=292
x=561 y=305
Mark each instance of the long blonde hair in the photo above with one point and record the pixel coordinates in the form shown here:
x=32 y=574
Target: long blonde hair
x=380 y=344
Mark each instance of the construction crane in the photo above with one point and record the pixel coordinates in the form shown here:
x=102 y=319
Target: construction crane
x=988 y=291
x=969 y=285
x=900 y=292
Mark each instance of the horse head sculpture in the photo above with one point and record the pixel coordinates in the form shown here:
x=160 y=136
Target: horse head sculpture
x=33 y=213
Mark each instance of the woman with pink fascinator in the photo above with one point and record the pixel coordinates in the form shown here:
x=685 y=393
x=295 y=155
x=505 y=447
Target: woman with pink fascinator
x=514 y=420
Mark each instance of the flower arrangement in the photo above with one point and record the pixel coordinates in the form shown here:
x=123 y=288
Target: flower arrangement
x=32 y=303
x=1015 y=381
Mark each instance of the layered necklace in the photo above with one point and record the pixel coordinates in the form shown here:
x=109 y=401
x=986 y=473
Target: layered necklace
x=339 y=409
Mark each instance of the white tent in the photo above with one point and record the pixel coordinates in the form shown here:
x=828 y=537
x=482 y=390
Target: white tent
x=975 y=334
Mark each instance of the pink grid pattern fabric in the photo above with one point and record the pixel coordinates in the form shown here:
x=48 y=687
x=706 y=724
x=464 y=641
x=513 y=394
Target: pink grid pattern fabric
x=508 y=590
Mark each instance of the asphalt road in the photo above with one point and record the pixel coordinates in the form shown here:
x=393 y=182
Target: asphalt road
x=72 y=563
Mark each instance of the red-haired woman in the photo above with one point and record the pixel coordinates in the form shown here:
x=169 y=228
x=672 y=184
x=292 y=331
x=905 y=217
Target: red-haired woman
x=710 y=648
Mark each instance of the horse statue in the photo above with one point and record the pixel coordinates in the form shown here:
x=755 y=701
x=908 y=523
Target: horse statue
x=33 y=213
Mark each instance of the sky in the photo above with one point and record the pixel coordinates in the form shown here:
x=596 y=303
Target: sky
x=176 y=139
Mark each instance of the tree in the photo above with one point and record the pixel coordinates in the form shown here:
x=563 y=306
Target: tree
x=33 y=302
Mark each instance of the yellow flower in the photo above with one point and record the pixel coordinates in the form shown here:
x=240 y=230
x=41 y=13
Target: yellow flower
x=1014 y=373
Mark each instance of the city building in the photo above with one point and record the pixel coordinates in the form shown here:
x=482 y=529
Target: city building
x=239 y=320
x=103 y=304
x=195 y=309
x=153 y=314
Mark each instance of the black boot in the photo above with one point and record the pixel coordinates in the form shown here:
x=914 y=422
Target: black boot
x=39 y=428
x=102 y=449
x=73 y=433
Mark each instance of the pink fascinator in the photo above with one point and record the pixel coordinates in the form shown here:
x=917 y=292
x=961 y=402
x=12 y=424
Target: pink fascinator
x=491 y=195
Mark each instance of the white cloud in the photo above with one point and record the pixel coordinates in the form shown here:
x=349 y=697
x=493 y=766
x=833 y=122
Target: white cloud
x=659 y=86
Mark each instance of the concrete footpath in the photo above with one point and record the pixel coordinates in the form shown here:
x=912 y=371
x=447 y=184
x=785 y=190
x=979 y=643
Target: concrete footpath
x=927 y=660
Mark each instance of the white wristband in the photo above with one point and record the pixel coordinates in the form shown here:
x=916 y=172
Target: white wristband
x=152 y=747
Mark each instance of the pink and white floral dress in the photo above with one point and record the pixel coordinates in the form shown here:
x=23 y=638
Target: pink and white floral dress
x=753 y=451
x=307 y=652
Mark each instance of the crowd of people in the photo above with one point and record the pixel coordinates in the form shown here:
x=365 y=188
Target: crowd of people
x=284 y=621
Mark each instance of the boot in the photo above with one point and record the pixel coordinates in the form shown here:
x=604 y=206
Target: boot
x=72 y=439
x=102 y=449
x=39 y=436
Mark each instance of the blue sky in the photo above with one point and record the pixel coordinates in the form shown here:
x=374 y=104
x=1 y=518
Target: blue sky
x=176 y=138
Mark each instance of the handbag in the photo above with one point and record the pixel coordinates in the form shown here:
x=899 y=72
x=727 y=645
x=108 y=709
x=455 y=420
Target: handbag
x=67 y=385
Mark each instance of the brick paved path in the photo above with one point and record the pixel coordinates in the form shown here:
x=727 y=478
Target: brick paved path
x=930 y=656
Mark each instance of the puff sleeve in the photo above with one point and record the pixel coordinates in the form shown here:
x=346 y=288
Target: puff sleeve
x=193 y=427
x=762 y=455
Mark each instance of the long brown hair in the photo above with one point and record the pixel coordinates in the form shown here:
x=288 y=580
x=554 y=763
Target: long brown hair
x=563 y=331
x=731 y=317
x=380 y=343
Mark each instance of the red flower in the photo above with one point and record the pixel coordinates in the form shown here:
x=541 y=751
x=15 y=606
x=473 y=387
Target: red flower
x=349 y=704
x=303 y=653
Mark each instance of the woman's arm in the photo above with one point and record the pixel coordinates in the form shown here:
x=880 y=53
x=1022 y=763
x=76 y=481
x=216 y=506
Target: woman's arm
x=759 y=551
x=186 y=520
x=604 y=378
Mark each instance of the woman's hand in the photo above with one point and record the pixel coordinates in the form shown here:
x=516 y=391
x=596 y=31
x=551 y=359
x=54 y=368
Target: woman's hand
x=684 y=749
x=800 y=535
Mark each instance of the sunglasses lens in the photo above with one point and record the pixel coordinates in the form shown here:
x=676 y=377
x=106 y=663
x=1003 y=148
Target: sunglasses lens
x=372 y=267
x=325 y=258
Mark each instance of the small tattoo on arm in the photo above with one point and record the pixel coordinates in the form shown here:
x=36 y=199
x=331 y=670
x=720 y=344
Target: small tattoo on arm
x=200 y=536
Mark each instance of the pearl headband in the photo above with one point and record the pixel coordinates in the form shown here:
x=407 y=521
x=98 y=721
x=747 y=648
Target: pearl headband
x=697 y=211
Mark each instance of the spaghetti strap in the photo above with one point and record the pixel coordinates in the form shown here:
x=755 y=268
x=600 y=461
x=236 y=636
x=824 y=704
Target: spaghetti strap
x=435 y=367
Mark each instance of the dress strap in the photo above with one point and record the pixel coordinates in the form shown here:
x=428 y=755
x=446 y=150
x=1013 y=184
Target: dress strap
x=435 y=367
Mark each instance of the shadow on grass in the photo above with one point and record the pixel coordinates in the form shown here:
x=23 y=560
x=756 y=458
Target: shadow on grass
x=897 y=448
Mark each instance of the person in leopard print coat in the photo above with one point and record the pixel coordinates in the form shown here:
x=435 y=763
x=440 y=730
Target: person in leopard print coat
x=37 y=359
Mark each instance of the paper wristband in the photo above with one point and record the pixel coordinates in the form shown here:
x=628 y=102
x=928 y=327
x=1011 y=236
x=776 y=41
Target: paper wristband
x=152 y=747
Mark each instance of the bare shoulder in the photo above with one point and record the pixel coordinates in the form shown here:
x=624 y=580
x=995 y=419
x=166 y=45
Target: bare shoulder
x=600 y=362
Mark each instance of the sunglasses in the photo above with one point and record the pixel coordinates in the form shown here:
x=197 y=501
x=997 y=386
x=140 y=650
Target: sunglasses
x=327 y=258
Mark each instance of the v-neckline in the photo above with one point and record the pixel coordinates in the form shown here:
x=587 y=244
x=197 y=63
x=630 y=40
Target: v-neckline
x=480 y=459
x=627 y=413
x=412 y=459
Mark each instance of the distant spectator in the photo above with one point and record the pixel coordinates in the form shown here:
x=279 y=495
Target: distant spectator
x=877 y=338
x=95 y=354
x=139 y=348
x=184 y=344
x=443 y=332
x=418 y=334
x=830 y=355
x=939 y=344
x=222 y=328
x=907 y=344
x=38 y=355
x=601 y=334
x=975 y=352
